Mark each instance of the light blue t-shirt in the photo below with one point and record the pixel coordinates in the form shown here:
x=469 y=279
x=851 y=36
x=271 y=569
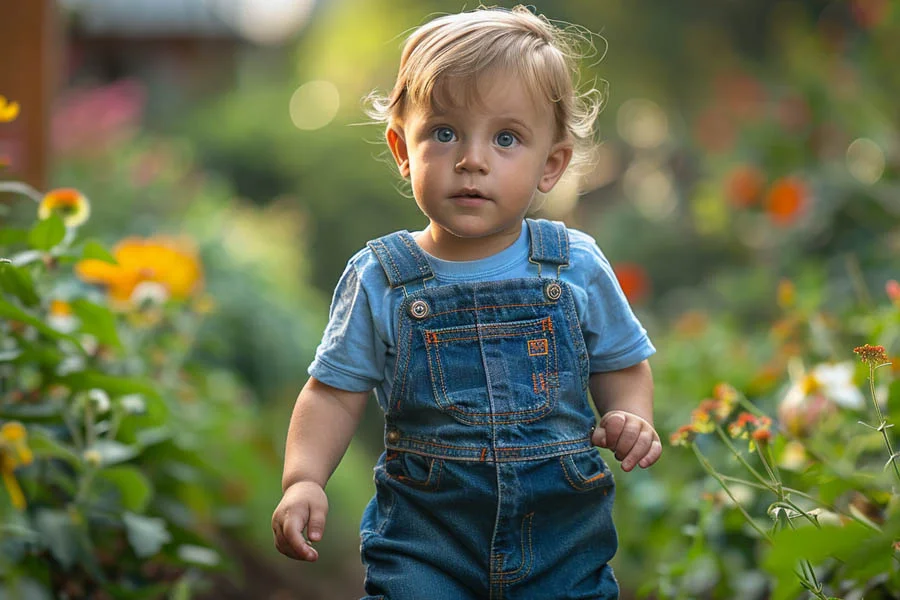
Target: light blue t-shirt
x=358 y=349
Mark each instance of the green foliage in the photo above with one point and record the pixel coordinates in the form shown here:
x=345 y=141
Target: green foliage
x=109 y=486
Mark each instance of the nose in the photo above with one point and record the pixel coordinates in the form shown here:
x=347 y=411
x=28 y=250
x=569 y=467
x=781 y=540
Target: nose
x=472 y=159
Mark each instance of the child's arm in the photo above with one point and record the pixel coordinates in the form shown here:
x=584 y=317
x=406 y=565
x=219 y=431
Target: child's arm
x=322 y=424
x=624 y=399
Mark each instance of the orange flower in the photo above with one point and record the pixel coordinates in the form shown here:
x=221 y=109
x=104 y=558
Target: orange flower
x=171 y=263
x=683 y=436
x=786 y=200
x=744 y=186
x=69 y=203
x=8 y=110
x=786 y=293
x=727 y=398
x=758 y=429
x=14 y=452
x=872 y=355
x=892 y=287
x=633 y=280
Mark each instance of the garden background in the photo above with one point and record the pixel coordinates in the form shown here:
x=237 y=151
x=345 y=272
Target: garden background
x=205 y=169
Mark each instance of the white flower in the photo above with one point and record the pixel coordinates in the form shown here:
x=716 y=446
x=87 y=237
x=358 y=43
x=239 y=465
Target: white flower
x=813 y=395
x=132 y=404
x=100 y=399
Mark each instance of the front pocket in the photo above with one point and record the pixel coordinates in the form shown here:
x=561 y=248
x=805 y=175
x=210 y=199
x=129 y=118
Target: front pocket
x=497 y=372
x=413 y=470
x=585 y=471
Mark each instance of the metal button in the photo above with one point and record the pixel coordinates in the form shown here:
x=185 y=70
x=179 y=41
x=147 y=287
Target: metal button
x=393 y=436
x=419 y=309
x=553 y=291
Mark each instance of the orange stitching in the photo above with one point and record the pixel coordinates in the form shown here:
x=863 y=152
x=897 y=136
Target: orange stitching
x=538 y=347
x=482 y=308
x=483 y=454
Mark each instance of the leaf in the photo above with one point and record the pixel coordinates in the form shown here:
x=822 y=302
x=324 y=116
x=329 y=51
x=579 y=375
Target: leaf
x=60 y=535
x=97 y=251
x=112 y=452
x=133 y=486
x=18 y=282
x=47 y=233
x=114 y=386
x=43 y=445
x=12 y=237
x=98 y=321
x=13 y=312
x=852 y=544
x=145 y=534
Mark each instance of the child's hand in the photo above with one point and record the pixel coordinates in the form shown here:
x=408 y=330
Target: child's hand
x=303 y=506
x=631 y=438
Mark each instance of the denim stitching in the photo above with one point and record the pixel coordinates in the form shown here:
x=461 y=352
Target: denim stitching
x=527 y=519
x=583 y=484
x=424 y=270
x=545 y=323
x=483 y=308
x=399 y=389
x=432 y=340
x=387 y=253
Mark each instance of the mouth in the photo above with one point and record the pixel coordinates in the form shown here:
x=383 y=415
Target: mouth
x=469 y=194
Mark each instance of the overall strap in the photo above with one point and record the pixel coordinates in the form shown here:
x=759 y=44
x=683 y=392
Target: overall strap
x=549 y=244
x=403 y=261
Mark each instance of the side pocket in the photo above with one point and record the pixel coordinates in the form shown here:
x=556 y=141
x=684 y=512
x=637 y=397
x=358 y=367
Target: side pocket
x=586 y=471
x=414 y=470
x=378 y=511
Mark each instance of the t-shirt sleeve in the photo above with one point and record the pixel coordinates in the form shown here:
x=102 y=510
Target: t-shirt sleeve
x=614 y=337
x=351 y=355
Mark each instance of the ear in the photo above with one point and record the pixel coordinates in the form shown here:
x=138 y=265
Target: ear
x=557 y=162
x=397 y=145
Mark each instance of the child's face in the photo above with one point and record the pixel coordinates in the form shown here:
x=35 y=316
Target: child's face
x=475 y=168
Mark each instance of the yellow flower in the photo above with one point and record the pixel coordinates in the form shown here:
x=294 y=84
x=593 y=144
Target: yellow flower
x=170 y=262
x=14 y=452
x=69 y=203
x=8 y=110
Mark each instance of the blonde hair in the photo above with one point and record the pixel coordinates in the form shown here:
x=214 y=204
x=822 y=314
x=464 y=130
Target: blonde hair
x=451 y=53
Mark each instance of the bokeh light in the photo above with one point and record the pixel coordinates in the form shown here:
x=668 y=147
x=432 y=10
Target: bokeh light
x=865 y=161
x=642 y=123
x=272 y=21
x=651 y=189
x=314 y=104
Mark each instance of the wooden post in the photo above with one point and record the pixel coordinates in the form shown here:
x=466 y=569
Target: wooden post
x=29 y=42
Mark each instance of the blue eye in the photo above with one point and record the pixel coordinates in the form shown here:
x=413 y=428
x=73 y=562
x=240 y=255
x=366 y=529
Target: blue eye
x=444 y=135
x=505 y=139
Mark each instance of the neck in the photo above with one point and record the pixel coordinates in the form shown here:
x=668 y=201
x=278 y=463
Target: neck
x=446 y=246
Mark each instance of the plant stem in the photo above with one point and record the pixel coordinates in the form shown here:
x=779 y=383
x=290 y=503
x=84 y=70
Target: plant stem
x=715 y=475
x=743 y=461
x=882 y=423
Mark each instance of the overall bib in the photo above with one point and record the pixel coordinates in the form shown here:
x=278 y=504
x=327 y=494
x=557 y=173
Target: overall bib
x=489 y=487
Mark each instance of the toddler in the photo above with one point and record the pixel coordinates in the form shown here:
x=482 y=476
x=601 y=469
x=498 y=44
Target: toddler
x=481 y=336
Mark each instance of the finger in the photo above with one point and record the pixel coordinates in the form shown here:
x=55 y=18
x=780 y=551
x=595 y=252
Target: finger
x=293 y=533
x=598 y=437
x=282 y=546
x=652 y=455
x=316 y=526
x=628 y=438
x=612 y=424
x=638 y=451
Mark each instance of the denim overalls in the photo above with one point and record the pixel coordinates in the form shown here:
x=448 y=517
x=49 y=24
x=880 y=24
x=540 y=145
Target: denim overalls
x=489 y=487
